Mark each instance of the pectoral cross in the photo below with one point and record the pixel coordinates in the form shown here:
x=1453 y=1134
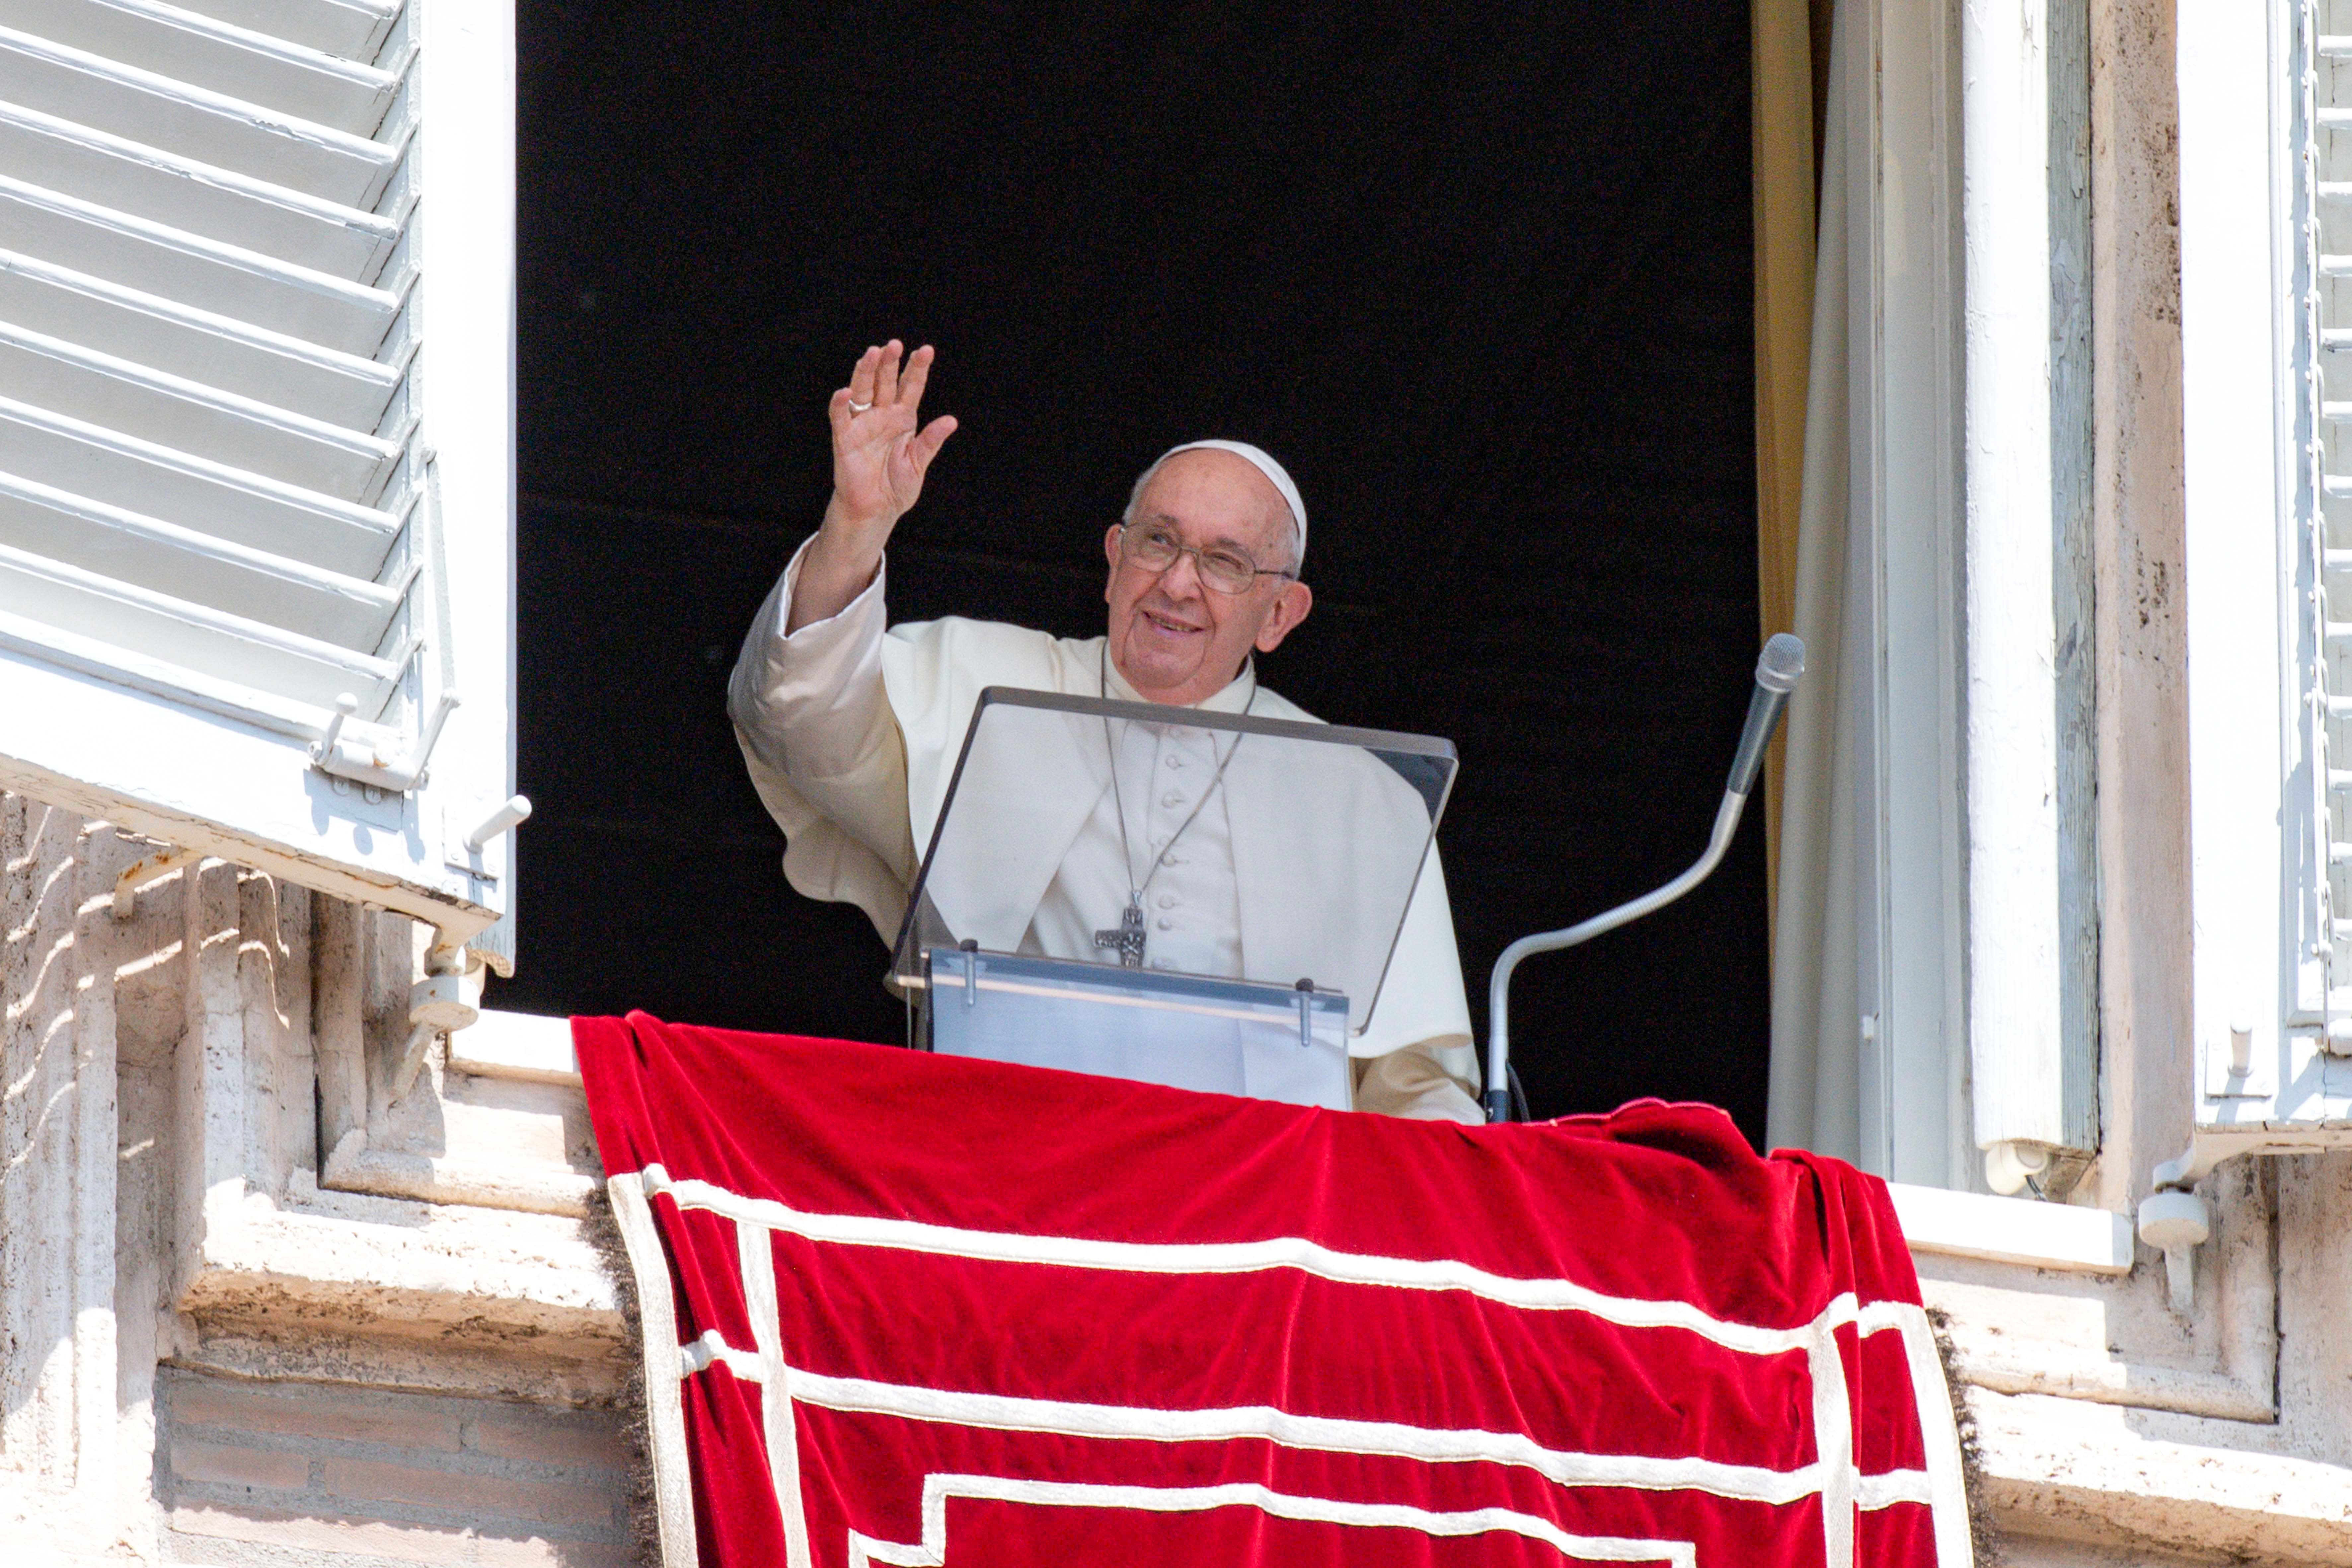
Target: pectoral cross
x=1127 y=938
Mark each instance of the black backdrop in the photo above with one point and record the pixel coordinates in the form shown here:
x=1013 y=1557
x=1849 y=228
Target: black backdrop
x=1481 y=278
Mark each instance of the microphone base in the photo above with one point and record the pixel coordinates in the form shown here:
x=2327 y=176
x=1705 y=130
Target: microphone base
x=1498 y=1105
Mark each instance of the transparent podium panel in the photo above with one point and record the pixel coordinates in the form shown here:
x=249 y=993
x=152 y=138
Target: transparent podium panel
x=1207 y=899
x=1226 y=1037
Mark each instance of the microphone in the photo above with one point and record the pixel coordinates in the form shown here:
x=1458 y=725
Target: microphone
x=1777 y=668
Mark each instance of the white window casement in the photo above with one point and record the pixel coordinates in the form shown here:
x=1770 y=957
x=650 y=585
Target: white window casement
x=2028 y=722
x=257 y=469
x=1953 y=286
x=1896 y=65
x=2266 y=332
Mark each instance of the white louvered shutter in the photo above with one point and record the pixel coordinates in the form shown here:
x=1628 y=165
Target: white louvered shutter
x=257 y=432
x=2266 y=379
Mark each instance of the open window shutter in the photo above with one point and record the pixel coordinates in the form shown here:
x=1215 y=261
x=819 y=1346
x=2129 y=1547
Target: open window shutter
x=2266 y=319
x=257 y=432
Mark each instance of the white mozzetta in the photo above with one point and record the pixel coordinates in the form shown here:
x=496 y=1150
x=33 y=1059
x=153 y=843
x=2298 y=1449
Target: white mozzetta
x=2013 y=1230
x=2011 y=696
x=240 y=480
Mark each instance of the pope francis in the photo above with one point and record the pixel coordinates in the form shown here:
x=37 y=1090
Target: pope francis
x=850 y=727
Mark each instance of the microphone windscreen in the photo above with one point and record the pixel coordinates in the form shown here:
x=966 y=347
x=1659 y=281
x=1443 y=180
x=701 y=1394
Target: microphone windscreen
x=1781 y=663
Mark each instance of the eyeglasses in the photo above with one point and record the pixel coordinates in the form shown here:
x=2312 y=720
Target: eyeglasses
x=1155 y=548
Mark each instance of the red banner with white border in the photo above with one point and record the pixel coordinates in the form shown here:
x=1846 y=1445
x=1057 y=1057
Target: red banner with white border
x=912 y=1310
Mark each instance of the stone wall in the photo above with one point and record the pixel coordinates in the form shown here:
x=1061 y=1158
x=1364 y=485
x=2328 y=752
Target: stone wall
x=209 y=1351
x=266 y=1473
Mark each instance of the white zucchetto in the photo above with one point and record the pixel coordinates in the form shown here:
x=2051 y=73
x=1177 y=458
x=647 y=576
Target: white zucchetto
x=1256 y=458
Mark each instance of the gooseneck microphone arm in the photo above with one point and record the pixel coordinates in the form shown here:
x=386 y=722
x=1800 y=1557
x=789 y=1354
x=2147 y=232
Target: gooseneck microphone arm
x=1777 y=671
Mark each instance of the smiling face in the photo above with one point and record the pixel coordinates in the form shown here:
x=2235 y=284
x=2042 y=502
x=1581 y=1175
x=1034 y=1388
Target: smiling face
x=1175 y=640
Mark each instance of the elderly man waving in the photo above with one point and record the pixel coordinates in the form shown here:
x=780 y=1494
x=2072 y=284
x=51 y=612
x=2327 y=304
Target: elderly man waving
x=850 y=727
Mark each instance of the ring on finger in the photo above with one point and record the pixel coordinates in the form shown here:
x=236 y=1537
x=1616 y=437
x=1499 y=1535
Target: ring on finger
x=858 y=407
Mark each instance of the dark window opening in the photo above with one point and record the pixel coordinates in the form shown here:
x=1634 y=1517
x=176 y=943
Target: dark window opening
x=1481 y=280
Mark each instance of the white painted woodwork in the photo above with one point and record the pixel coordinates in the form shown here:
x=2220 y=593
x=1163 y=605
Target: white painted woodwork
x=202 y=274
x=2263 y=171
x=206 y=52
x=106 y=608
x=2013 y=1230
x=214 y=351
x=355 y=29
x=1955 y=985
x=155 y=110
x=285 y=592
x=196 y=198
x=226 y=499
x=2012 y=713
x=186 y=415
x=1892 y=168
x=229 y=504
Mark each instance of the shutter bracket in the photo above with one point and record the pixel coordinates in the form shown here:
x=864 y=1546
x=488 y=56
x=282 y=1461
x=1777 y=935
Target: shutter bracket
x=146 y=873
x=345 y=757
x=440 y=1003
x=2175 y=1220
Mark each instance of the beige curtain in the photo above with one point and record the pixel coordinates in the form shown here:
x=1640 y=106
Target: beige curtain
x=1782 y=153
x=1816 y=1041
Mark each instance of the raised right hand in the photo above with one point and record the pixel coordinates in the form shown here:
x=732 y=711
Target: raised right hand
x=880 y=452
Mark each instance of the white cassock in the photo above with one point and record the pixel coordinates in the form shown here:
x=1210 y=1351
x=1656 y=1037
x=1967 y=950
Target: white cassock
x=851 y=733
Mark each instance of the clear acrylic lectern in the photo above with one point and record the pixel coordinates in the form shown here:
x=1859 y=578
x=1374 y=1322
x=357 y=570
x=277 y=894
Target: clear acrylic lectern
x=1210 y=900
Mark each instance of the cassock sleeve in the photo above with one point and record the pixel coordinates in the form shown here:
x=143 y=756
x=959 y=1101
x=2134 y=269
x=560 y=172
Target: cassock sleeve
x=1412 y=1081
x=1433 y=1073
x=826 y=752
